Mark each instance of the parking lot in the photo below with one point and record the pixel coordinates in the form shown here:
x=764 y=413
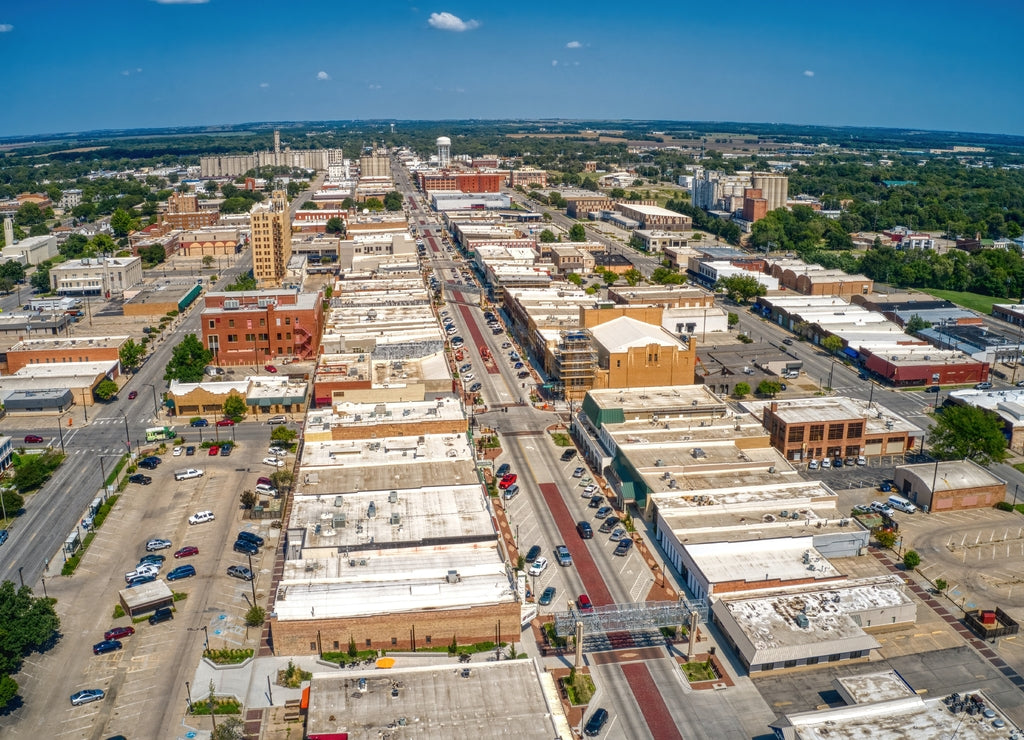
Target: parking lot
x=144 y=681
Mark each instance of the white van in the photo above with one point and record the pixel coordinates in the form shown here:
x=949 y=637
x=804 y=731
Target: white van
x=901 y=504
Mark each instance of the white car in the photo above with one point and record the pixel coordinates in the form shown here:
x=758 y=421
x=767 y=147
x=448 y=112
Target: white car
x=177 y=451
x=273 y=461
x=468 y=376
x=538 y=566
x=201 y=516
x=861 y=460
x=265 y=489
x=590 y=490
x=812 y=465
x=278 y=451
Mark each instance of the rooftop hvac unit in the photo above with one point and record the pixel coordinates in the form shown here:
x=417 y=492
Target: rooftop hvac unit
x=393 y=497
x=264 y=302
x=658 y=463
x=339 y=500
x=771 y=469
x=231 y=303
x=371 y=510
x=453 y=576
x=338 y=522
x=802 y=621
x=693 y=402
x=396 y=518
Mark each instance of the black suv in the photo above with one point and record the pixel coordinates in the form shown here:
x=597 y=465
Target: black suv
x=246 y=547
x=533 y=554
x=568 y=455
x=149 y=463
x=252 y=537
x=585 y=531
x=161 y=615
x=503 y=470
x=140 y=478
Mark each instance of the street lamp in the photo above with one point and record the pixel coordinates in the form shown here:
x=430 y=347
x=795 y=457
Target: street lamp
x=127 y=435
x=253 y=581
x=60 y=433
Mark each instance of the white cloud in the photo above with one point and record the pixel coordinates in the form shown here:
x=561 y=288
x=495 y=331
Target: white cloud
x=264 y=84
x=321 y=75
x=808 y=73
x=129 y=72
x=182 y=2
x=5 y=27
x=450 y=22
x=554 y=62
x=374 y=87
x=573 y=45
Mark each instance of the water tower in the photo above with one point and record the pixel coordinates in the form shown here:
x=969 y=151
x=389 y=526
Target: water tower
x=444 y=152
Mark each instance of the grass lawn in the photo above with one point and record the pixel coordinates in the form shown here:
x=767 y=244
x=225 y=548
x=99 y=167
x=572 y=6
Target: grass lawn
x=973 y=301
x=699 y=671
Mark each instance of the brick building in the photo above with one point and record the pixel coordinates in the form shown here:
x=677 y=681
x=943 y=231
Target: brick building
x=579 y=205
x=528 y=178
x=465 y=182
x=755 y=206
x=183 y=212
x=64 y=349
x=255 y=327
x=949 y=486
x=271 y=240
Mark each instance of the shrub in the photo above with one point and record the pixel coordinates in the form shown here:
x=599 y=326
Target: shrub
x=1004 y=506
x=911 y=559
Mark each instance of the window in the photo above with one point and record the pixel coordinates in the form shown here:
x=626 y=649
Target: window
x=231 y=323
x=427 y=638
x=287 y=321
x=796 y=434
x=232 y=337
x=369 y=642
x=336 y=645
x=394 y=641
x=211 y=323
x=817 y=432
x=813 y=660
x=279 y=336
x=789 y=664
x=263 y=322
x=312 y=646
x=834 y=658
x=855 y=429
x=835 y=431
x=250 y=337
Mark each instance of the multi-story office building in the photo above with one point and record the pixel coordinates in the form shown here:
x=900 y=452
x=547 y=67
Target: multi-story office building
x=96 y=276
x=271 y=240
x=183 y=212
x=254 y=327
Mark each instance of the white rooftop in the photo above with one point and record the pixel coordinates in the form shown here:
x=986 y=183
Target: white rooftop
x=877 y=419
x=780 y=558
x=624 y=333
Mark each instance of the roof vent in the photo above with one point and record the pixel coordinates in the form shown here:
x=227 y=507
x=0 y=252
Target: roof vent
x=802 y=621
x=371 y=510
x=396 y=518
x=393 y=497
x=453 y=576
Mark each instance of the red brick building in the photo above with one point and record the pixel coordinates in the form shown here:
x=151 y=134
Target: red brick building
x=755 y=206
x=256 y=327
x=466 y=182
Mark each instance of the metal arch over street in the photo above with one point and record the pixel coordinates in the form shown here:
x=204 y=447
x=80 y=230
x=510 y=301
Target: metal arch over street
x=649 y=615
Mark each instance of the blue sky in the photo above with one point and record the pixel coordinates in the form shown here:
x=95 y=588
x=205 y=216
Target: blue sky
x=76 y=65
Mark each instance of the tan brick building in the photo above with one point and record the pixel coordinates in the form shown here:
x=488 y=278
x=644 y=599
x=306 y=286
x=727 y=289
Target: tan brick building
x=64 y=349
x=271 y=240
x=949 y=486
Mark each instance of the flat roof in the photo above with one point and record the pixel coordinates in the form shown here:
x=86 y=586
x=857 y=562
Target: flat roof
x=902 y=718
x=64 y=370
x=480 y=701
x=877 y=419
x=69 y=343
x=624 y=333
x=872 y=687
x=389 y=581
x=428 y=515
x=953 y=475
x=781 y=558
x=214 y=387
x=662 y=400
x=737 y=503
x=354 y=415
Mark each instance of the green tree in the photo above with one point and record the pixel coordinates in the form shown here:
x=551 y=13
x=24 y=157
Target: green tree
x=8 y=690
x=256 y=616
x=577 y=233
x=885 y=538
x=393 y=201
x=105 y=390
x=103 y=244
x=335 y=225
x=12 y=270
x=968 y=433
x=741 y=389
x=188 y=360
x=35 y=470
x=229 y=728
x=38 y=230
x=131 y=354
x=769 y=387
x=282 y=479
x=234 y=407
x=916 y=324
x=832 y=344
x=609 y=277
x=348 y=204
x=76 y=247
x=741 y=288
x=632 y=276
x=352 y=650
x=294 y=188
x=40 y=279
x=235 y=205
x=911 y=559
x=122 y=223
x=282 y=433
x=29 y=624
x=208 y=260
x=547 y=237
x=29 y=214
x=373 y=204
x=732 y=319
x=244 y=281
x=153 y=255
x=210 y=186
x=574 y=278
x=310 y=206
x=248 y=498
x=13 y=501
x=940 y=584
x=667 y=276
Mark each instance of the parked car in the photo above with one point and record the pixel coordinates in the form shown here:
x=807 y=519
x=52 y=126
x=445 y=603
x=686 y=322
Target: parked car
x=278 y=419
x=826 y=464
x=200 y=517
x=187 y=551
x=187 y=571
x=161 y=615
x=533 y=553
x=609 y=524
x=274 y=462
x=152 y=558
x=596 y=502
x=85 y=696
x=270 y=368
x=133 y=395
x=240 y=571
x=539 y=566
x=507 y=480
x=584 y=603
x=250 y=537
x=225 y=423
x=568 y=455
x=149 y=463
x=983 y=386
x=139 y=580
x=578 y=472
x=140 y=478
x=214 y=449
x=879 y=507
x=466 y=368
x=199 y=423
x=563 y=556
x=837 y=462
x=618 y=534
x=623 y=547
x=33 y=439
x=861 y=460
x=547 y=597
x=812 y=464
x=475 y=387
x=584 y=530
x=106 y=646
x=157 y=544
x=225 y=450
x=278 y=451
x=523 y=374
x=503 y=470
x=245 y=547
x=596 y=722
x=603 y=512
x=3 y=536
x=118 y=633
x=266 y=490
x=177 y=451
x=190 y=450
x=589 y=490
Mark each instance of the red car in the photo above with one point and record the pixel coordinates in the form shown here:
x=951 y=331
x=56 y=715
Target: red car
x=214 y=450
x=187 y=551
x=583 y=602
x=270 y=368
x=32 y=438
x=507 y=481
x=132 y=395
x=225 y=423
x=263 y=480
x=118 y=633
